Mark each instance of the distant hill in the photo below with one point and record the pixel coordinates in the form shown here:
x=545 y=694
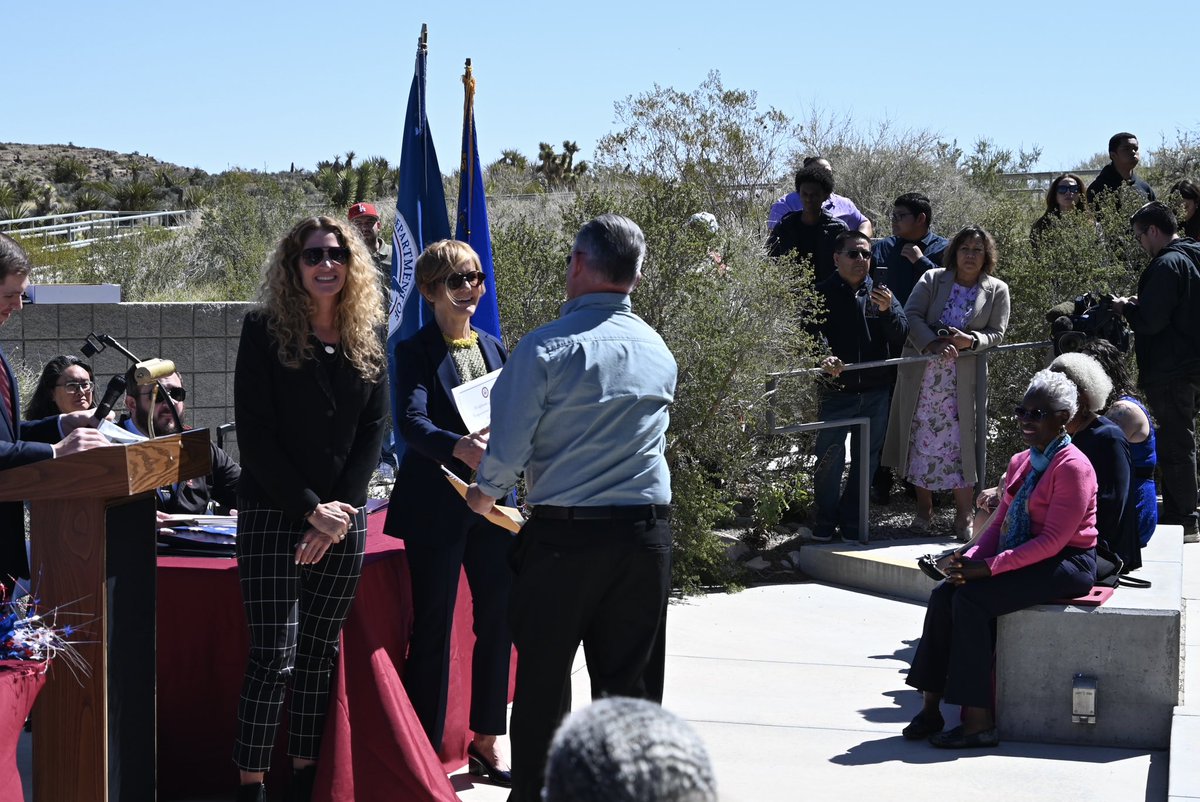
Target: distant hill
x=19 y=160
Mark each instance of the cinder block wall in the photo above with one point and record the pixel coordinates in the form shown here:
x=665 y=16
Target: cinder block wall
x=201 y=339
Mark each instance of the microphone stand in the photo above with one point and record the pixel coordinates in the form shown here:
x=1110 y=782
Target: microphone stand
x=95 y=343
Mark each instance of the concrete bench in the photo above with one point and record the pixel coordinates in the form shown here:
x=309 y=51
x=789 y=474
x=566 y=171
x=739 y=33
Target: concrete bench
x=1130 y=644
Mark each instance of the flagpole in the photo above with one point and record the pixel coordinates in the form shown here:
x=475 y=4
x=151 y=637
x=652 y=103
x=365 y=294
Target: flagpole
x=468 y=163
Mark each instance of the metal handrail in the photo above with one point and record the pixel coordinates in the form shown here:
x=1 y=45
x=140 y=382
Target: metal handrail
x=864 y=455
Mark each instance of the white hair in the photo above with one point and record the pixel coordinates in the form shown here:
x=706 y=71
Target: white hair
x=1088 y=375
x=1057 y=387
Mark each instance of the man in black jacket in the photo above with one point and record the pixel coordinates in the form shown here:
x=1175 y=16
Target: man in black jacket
x=864 y=323
x=1118 y=173
x=809 y=234
x=190 y=497
x=1165 y=318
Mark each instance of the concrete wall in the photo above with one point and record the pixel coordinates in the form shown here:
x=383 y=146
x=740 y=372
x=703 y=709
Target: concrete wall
x=201 y=338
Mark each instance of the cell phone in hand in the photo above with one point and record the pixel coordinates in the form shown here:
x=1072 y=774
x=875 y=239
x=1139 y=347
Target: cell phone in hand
x=880 y=275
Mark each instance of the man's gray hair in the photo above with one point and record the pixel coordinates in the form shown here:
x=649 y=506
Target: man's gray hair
x=628 y=750
x=1057 y=387
x=1089 y=378
x=615 y=247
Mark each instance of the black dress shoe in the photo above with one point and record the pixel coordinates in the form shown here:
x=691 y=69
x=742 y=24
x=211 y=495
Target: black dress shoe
x=480 y=766
x=958 y=739
x=922 y=726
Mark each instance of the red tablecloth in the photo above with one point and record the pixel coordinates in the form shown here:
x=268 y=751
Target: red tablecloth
x=20 y=681
x=373 y=747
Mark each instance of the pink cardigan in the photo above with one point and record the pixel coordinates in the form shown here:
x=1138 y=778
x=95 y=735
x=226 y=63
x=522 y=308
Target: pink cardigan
x=1062 y=512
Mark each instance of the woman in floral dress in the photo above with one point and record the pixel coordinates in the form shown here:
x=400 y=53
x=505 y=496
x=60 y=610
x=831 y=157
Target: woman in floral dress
x=953 y=313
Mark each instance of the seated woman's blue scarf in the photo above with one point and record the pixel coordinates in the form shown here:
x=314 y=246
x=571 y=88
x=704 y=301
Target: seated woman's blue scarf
x=1016 y=528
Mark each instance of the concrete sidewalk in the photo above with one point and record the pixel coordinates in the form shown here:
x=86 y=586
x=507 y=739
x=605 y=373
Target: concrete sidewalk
x=799 y=692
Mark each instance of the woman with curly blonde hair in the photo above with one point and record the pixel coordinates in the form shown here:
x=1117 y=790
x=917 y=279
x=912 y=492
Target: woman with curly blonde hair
x=310 y=400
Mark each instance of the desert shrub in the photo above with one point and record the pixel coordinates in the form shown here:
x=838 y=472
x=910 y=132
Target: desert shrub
x=242 y=220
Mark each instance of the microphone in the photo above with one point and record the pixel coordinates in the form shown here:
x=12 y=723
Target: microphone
x=116 y=387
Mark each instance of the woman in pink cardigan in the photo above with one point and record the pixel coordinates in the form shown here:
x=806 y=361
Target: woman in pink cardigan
x=1041 y=545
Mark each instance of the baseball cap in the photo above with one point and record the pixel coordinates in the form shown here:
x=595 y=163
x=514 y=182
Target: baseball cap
x=360 y=209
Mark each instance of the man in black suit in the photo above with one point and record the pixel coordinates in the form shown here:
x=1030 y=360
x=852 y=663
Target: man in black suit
x=193 y=496
x=30 y=441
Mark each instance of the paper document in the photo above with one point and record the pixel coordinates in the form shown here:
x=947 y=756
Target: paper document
x=474 y=401
x=509 y=518
x=118 y=434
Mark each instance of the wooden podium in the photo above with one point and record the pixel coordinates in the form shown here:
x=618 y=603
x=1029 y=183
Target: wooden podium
x=93 y=540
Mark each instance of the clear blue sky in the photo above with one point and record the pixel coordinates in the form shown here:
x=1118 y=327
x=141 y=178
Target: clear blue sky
x=260 y=85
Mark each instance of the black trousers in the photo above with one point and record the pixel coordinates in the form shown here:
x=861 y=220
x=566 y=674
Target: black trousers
x=295 y=614
x=954 y=656
x=602 y=583
x=434 y=570
x=1175 y=406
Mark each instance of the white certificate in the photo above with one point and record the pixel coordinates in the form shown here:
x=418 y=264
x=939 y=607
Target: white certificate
x=474 y=401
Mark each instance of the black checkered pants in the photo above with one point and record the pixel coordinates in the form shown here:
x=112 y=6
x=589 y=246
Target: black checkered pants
x=295 y=614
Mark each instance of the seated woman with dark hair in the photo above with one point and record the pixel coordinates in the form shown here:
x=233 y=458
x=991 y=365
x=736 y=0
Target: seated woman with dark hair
x=1128 y=412
x=1105 y=446
x=1041 y=545
x=66 y=385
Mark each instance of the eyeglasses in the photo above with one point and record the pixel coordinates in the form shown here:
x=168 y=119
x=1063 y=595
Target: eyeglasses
x=1033 y=415
x=77 y=387
x=856 y=254
x=455 y=281
x=177 y=394
x=899 y=215
x=1067 y=189
x=314 y=256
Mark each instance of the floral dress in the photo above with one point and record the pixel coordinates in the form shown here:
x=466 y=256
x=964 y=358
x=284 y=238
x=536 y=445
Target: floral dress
x=934 y=451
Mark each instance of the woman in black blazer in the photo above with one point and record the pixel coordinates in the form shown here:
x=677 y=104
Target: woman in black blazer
x=441 y=534
x=310 y=398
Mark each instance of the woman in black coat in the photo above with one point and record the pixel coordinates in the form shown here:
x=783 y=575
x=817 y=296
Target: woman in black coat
x=310 y=397
x=441 y=534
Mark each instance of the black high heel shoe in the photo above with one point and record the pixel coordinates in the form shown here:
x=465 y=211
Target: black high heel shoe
x=479 y=766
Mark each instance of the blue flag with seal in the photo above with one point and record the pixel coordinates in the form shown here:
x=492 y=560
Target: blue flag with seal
x=420 y=219
x=472 y=226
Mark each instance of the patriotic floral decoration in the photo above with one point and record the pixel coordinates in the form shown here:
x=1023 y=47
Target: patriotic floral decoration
x=26 y=634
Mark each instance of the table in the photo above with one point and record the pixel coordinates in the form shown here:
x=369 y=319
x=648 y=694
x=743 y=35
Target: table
x=20 y=681
x=374 y=747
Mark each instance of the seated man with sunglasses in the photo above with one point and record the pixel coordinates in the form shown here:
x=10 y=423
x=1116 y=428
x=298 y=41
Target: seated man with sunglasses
x=193 y=496
x=864 y=322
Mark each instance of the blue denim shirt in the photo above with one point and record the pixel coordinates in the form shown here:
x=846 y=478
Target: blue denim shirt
x=581 y=409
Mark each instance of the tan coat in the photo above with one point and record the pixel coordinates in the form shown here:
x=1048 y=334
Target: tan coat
x=924 y=310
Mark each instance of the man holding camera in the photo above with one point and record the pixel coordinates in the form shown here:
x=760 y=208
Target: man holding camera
x=864 y=322
x=1163 y=316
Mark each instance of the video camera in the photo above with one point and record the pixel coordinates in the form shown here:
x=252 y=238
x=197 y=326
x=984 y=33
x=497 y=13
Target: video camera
x=1072 y=323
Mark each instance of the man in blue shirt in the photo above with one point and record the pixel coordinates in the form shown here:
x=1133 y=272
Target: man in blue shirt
x=912 y=249
x=581 y=409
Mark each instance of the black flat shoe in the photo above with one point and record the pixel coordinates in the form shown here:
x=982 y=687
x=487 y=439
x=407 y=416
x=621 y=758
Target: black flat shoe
x=957 y=739
x=479 y=766
x=923 y=726
x=252 y=792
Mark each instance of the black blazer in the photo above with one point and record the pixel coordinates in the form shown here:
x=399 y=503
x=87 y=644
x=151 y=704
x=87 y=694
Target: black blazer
x=307 y=435
x=425 y=508
x=16 y=450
